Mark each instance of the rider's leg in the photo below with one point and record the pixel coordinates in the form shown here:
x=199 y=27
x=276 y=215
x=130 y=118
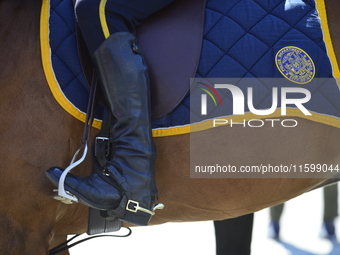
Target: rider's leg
x=98 y=19
x=127 y=183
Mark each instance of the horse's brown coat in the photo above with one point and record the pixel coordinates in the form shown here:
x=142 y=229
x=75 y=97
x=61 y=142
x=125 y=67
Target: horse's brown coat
x=36 y=134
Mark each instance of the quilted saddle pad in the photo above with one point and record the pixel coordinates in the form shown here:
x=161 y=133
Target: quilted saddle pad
x=242 y=39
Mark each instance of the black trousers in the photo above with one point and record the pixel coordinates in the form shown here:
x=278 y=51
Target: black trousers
x=98 y=19
x=233 y=236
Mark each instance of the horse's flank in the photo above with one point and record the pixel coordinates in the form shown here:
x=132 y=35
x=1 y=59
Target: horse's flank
x=37 y=134
x=28 y=116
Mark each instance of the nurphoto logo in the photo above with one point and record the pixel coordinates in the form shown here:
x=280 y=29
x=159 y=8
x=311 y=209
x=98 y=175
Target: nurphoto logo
x=238 y=100
x=243 y=102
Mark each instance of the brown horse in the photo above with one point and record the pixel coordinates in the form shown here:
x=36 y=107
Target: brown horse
x=36 y=134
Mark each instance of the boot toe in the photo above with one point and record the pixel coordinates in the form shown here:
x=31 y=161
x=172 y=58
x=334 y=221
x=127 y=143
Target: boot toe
x=92 y=190
x=53 y=174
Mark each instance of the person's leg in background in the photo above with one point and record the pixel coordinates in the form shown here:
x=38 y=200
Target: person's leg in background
x=330 y=196
x=274 y=225
x=233 y=236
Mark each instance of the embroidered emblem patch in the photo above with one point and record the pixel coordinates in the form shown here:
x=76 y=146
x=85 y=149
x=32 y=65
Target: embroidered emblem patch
x=295 y=64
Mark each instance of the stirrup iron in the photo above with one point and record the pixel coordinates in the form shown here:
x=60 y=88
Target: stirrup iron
x=63 y=195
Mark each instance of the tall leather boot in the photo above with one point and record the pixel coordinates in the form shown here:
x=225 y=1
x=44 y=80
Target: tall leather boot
x=127 y=183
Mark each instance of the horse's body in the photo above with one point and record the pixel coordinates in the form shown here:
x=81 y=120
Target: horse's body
x=36 y=134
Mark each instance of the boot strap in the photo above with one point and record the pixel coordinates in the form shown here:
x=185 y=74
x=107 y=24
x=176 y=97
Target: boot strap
x=126 y=204
x=102 y=141
x=116 y=177
x=117 y=213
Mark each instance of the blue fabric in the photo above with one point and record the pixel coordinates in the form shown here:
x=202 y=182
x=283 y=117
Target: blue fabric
x=241 y=39
x=65 y=60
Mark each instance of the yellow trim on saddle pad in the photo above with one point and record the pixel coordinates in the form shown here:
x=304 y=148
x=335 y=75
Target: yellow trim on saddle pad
x=177 y=130
x=54 y=85
x=102 y=18
x=321 y=118
x=48 y=69
x=321 y=8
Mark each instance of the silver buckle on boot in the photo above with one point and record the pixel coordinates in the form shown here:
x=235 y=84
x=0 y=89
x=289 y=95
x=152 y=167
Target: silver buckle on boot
x=136 y=207
x=101 y=139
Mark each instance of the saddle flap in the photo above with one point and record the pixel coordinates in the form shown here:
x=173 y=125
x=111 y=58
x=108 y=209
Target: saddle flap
x=170 y=41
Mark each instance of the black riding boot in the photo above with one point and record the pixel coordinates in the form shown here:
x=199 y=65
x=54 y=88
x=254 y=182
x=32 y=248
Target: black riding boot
x=127 y=183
